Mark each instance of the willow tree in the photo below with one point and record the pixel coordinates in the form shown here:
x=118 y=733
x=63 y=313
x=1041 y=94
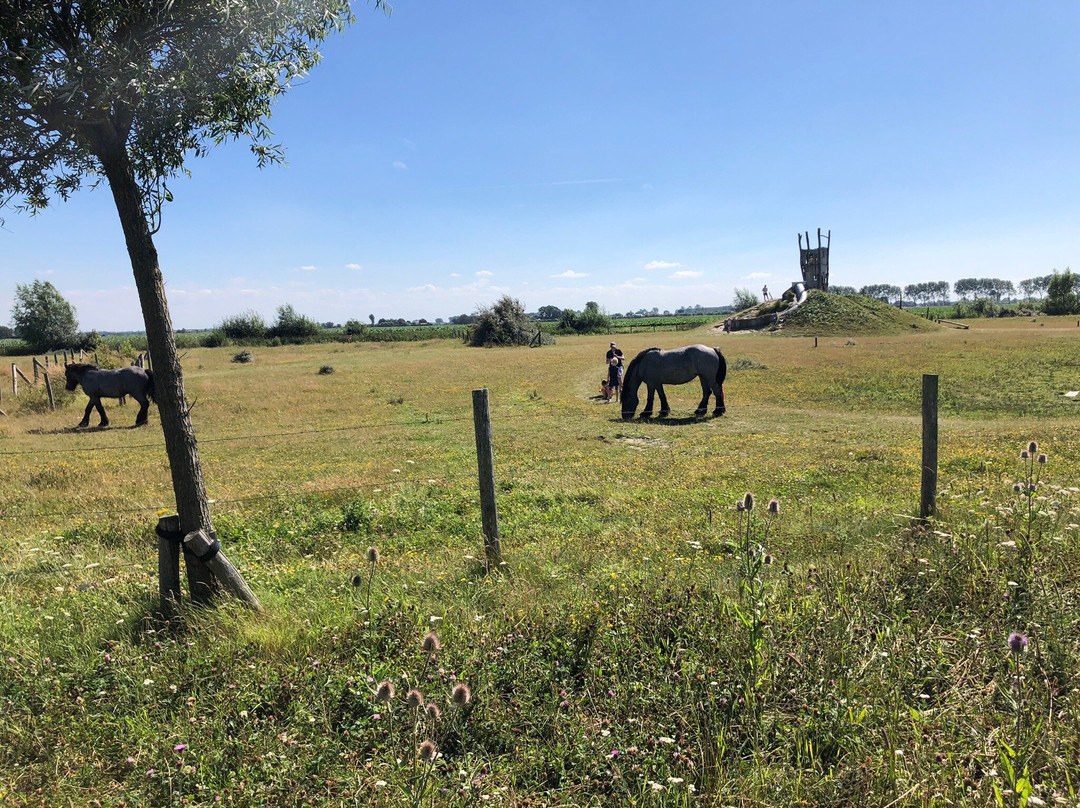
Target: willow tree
x=125 y=92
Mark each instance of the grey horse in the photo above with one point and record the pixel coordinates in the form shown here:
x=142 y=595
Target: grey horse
x=656 y=367
x=98 y=383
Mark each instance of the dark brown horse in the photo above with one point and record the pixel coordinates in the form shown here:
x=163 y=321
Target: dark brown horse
x=98 y=383
x=655 y=368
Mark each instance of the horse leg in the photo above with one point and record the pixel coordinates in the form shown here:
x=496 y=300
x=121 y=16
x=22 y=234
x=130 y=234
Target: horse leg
x=720 y=407
x=647 y=412
x=101 y=412
x=665 y=411
x=703 y=406
x=86 y=415
x=144 y=408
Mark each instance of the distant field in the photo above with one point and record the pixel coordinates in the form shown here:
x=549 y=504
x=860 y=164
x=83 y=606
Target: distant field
x=635 y=642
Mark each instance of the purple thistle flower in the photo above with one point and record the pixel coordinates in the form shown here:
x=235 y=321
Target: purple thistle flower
x=1018 y=642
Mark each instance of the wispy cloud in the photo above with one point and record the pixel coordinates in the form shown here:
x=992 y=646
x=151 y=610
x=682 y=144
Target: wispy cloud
x=582 y=182
x=309 y=268
x=687 y=273
x=571 y=274
x=483 y=273
x=401 y=165
x=662 y=265
x=354 y=266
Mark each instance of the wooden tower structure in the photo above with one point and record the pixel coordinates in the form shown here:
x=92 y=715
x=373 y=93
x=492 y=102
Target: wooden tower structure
x=814 y=261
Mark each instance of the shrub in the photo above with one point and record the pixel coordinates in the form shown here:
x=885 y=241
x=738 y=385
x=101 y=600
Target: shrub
x=326 y=370
x=1061 y=295
x=589 y=321
x=243 y=357
x=504 y=323
x=215 y=339
x=291 y=326
x=245 y=326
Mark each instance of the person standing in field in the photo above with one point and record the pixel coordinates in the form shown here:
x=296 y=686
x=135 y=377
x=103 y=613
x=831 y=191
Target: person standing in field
x=614 y=359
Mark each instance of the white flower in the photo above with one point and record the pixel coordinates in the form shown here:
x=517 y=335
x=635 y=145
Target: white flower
x=665 y=739
x=655 y=786
x=674 y=779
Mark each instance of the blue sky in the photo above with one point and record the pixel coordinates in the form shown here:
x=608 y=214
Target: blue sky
x=638 y=154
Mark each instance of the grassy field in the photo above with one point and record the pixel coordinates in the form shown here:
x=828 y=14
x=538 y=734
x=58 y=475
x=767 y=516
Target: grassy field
x=644 y=642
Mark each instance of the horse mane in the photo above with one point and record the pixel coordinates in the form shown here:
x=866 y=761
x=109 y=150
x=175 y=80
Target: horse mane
x=80 y=367
x=631 y=369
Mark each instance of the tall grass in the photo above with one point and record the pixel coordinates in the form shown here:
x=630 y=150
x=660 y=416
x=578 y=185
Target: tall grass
x=635 y=648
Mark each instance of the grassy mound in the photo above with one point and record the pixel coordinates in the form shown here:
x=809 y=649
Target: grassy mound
x=825 y=315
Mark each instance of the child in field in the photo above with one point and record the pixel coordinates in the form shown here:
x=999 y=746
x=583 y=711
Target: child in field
x=605 y=389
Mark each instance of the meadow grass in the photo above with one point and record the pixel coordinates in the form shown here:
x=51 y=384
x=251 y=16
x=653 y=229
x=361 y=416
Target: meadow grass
x=644 y=642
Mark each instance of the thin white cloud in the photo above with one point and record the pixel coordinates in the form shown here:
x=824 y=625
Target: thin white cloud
x=571 y=274
x=662 y=265
x=308 y=268
x=354 y=266
x=483 y=273
x=401 y=165
x=687 y=273
x=455 y=275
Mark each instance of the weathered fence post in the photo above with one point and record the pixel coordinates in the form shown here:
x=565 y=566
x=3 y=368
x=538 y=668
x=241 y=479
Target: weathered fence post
x=485 y=465
x=14 y=380
x=928 y=500
x=35 y=363
x=208 y=550
x=168 y=563
x=48 y=389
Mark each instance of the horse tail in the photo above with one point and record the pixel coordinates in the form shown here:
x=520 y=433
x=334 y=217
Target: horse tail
x=721 y=369
x=150 y=386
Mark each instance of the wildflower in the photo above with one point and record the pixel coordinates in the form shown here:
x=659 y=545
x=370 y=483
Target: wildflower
x=357 y=580
x=774 y=506
x=385 y=692
x=1017 y=487
x=431 y=644
x=373 y=554
x=461 y=695
x=748 y=502
x=1018 y=642
x=180 y=747
x=1024 y=454
x=1042 y=461
x=428 y=751
x=1033 y=447
x=414 y=699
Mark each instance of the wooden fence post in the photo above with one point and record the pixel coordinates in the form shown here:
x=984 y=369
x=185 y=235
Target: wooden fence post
x=48 y=389
x=14 y=381
x=208 y=550
x=35 y=363
x=168 y=562
x=928 y=500
x=485 y=464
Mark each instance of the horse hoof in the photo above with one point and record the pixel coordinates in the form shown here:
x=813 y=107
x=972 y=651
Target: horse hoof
x=664 y=414
x=719 y=411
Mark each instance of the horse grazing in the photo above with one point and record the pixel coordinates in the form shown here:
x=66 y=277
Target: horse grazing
x=98 y=383
x=655 y=368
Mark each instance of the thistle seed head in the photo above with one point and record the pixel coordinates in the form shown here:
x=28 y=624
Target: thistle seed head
x=748 y=502
x=461 y=695
x=373 y=554
x=385 y=691
x=414 y=699
x=431 y=644
x=428 y=751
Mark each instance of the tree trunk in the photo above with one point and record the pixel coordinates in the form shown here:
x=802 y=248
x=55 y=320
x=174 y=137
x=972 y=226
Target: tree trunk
x=180 y=444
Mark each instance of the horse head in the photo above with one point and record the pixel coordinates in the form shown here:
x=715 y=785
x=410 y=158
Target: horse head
x=74 y=373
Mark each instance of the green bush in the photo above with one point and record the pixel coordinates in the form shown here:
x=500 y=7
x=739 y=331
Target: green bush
x=292 y=327
x=247 y=325
x=215 y=339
